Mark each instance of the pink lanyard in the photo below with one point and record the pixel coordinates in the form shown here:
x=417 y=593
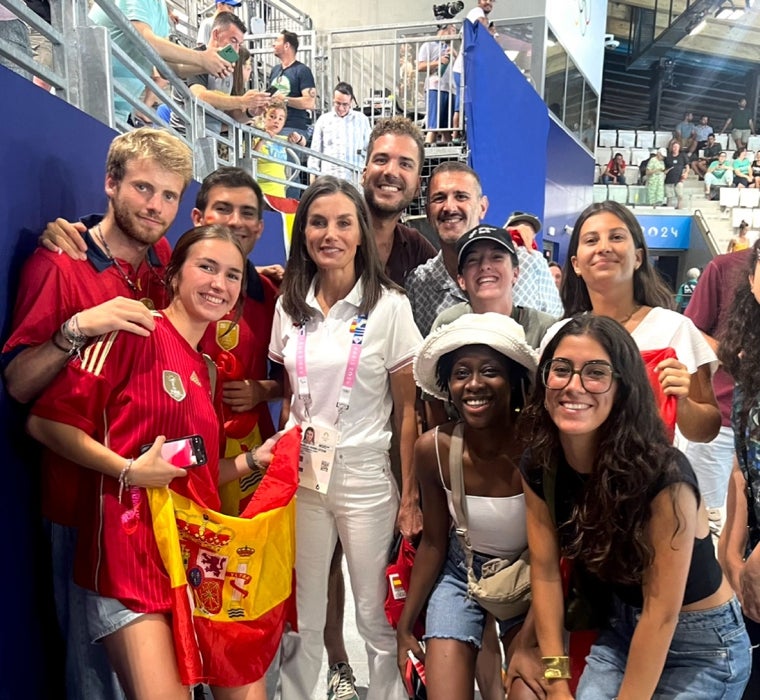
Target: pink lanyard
x=358 y=326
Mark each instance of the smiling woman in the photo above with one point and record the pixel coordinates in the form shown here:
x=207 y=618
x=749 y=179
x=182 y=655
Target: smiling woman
x=486 y=384
x=345 y=336
x=608 y=273
x=124 y=393
x=604 y=488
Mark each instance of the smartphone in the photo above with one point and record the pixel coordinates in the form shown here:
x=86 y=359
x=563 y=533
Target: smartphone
x=185 y=452
x=228 y=53
x=271 y=90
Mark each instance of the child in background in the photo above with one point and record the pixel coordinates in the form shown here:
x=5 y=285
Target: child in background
x=274 y=121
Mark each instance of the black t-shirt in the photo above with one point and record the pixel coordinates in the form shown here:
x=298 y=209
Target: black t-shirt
x=677 y=165
x=291 y=82
x=705 y=575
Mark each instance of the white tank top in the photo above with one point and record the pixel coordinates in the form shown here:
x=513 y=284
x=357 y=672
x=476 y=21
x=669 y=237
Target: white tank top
x=496 y=524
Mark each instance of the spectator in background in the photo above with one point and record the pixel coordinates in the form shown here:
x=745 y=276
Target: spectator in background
x=15 y=32
x=655 y=173
x=754 y=171
x=227 y=30
x=710 y=152
x=274 y=165
x=205 y=27
x=614 y=173
x=342 y=133
x=684 y=133
x=556 y=270
x=434 y=59
x=740 y=241
x=742 y=122
x=676 y=171
x=702 y=131
x=741 y=165
x=719 y=174
x=687 y=289
x=295 y=83
x=535 y=287
x=151 y=21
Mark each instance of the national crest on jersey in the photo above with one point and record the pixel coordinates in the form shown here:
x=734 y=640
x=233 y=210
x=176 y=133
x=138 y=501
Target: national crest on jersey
x=173 y=385
x=227 y=334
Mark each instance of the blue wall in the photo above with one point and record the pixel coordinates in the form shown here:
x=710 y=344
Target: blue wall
x=525 y=160
x=52 y=158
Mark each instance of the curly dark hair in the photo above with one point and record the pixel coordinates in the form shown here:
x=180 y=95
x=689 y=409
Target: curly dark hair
x=648 y=287
x=739 y=348
x=608 y=526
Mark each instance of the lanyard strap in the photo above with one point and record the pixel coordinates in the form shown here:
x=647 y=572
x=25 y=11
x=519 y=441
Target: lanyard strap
x=358 y=327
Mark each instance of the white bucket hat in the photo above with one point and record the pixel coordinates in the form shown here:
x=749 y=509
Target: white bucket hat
x=499 y=332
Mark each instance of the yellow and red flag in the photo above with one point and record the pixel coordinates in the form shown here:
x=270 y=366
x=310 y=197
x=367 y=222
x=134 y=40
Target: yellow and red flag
x=233 y=579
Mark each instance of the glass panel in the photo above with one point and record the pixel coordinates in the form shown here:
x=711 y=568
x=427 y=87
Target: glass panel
x=556 y=67
x=574 y=99
x=590 y=105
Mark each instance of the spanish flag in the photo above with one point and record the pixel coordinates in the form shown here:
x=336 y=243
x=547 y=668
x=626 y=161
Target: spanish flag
x=233 y=579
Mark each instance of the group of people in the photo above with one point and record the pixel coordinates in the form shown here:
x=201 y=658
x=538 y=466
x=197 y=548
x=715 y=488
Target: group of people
x=108 y=344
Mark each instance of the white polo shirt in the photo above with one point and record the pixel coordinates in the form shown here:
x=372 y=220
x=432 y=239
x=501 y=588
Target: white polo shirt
x=390 y=340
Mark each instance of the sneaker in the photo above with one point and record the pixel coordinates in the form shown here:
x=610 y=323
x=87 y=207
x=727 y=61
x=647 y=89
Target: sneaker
x=340 y=682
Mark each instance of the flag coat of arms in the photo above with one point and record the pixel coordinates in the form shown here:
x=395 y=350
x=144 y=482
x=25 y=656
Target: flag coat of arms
x=232 y=578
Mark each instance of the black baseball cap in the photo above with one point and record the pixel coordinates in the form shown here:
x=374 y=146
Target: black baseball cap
x=486 y=232
x=525 y=217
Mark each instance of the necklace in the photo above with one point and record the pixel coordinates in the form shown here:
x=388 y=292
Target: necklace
x=625 y=320
x=132 y=286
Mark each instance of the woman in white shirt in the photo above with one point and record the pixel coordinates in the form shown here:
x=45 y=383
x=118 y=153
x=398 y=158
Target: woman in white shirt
x=346 y=337
x=608 y=273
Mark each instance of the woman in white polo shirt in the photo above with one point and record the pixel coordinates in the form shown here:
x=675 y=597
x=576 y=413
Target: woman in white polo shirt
x=346 y=337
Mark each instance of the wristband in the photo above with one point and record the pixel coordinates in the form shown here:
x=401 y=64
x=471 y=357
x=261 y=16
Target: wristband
x=252 y=461
x=556 y=667
x=73 y=335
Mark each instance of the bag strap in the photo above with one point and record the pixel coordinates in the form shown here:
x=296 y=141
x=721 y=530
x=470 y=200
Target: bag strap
x=458 y=495
x=212 y=372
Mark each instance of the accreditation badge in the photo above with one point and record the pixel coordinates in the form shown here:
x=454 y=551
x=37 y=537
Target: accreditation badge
x=317 y=456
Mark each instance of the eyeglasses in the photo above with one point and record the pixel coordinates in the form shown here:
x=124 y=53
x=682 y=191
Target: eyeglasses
x=596 y=375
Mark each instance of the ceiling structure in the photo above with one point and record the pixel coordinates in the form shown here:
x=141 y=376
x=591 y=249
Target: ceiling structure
x=737 y=39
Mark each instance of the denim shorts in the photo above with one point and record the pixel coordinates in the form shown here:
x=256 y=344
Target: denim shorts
x=709 y=657
x=451 y=613
x=107 y=615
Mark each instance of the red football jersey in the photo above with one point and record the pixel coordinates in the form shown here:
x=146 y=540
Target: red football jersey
x=124 y=392
x=52 y=289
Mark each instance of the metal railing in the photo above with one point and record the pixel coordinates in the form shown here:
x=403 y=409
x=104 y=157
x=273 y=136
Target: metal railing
x=82 y=74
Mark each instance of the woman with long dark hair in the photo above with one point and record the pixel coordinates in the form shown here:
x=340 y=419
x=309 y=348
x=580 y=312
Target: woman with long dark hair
x=346 y=337
x=604 y=488
x=608 y=273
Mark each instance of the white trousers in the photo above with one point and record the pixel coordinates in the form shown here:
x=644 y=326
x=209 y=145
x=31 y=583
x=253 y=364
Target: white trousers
x=360 y=508
x=712 y=462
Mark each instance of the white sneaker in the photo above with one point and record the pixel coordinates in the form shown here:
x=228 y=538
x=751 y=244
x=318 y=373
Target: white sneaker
x=340 y=682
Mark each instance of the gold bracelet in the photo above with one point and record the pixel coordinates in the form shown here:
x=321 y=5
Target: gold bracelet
x=556 y=667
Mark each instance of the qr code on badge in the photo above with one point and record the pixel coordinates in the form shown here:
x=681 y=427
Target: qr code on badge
x=325 y=466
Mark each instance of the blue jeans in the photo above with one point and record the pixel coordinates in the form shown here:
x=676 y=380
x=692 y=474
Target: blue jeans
x=709 y=657
x=451 y=612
